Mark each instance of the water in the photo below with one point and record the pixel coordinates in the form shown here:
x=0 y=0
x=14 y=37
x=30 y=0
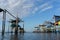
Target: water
x=31 y=36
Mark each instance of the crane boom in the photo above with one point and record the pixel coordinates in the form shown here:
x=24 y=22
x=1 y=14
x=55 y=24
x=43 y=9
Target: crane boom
x=13 y=15
x=10 y=14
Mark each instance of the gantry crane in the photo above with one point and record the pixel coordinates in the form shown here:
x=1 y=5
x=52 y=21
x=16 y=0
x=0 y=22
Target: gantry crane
x=4 y=19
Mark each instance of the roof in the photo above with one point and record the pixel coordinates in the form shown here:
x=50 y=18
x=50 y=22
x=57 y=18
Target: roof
x=42 y=25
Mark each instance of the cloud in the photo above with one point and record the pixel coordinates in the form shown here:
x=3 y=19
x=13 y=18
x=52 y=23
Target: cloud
x=42 y=7
x=12 y=5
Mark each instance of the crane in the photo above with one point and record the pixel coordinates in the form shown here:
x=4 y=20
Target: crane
x=4 y=19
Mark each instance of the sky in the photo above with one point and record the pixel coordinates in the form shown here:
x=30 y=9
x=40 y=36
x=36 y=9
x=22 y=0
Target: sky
x=33 y=12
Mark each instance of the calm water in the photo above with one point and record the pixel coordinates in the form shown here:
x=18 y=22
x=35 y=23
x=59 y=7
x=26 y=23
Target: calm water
x=31 y=36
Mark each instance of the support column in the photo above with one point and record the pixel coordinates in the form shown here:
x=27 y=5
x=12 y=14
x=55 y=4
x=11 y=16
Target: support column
x=16 y=29
x=23 y=26
x=3 y=22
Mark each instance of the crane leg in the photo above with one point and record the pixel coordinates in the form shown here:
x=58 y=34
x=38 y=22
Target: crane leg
x=3 y=22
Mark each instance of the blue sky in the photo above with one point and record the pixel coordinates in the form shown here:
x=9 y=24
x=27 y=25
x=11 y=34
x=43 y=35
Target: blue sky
x=33 y=12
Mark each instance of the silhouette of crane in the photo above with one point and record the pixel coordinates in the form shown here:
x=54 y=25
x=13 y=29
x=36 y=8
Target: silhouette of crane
x=4 y=19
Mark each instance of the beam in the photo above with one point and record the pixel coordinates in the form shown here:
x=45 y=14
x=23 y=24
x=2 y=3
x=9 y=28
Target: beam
x=10 y=14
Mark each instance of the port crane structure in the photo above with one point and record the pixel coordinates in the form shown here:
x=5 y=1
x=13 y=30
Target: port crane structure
x=4 y=20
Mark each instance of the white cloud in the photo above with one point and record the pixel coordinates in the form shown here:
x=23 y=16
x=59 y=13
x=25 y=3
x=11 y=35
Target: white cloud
x=14 y=5
x=42 y=7
x=35 y=10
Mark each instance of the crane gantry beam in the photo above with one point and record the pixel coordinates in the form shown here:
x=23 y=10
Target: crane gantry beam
x=10 y=14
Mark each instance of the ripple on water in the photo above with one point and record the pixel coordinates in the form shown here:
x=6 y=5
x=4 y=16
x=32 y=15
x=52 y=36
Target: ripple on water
x=31 y=36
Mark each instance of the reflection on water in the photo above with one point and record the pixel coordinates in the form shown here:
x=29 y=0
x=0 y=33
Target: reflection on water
x=14 y=37
x=31 y=36
x=2 y=37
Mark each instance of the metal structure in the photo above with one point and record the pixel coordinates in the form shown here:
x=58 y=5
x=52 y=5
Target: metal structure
x=4 y=19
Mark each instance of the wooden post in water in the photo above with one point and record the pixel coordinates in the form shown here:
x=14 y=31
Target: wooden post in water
x=3 y=22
